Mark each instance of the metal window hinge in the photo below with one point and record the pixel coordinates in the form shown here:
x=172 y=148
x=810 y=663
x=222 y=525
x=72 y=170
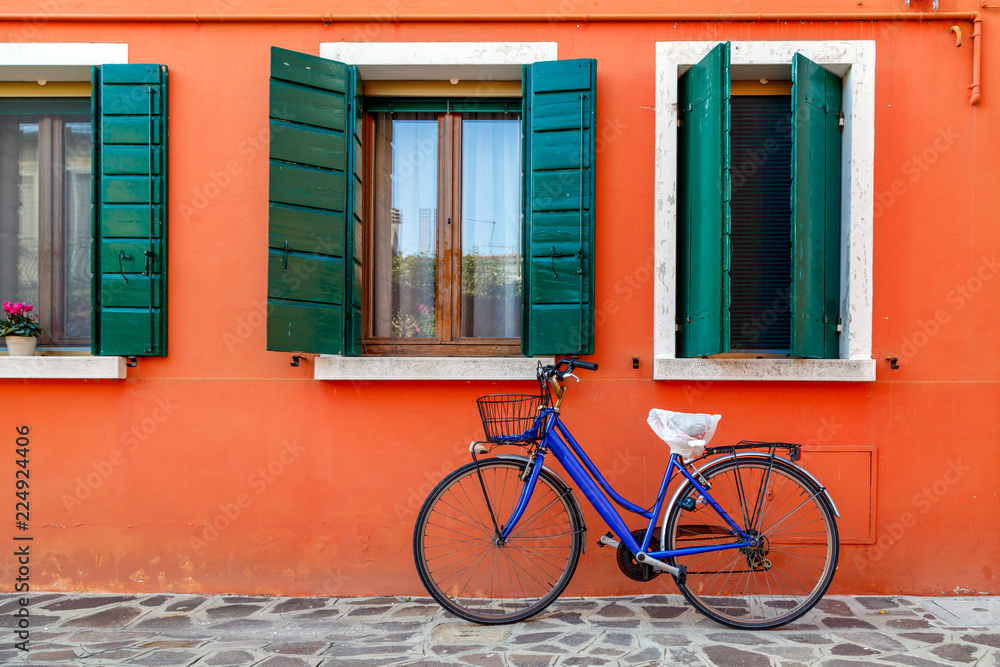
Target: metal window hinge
x=841 y=121
x=840 y=326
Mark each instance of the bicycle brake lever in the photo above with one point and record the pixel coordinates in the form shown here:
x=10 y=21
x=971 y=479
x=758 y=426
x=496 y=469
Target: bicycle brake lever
x=570 y=375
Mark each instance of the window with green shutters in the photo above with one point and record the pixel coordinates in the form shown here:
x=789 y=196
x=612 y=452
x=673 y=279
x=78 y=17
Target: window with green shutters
x=323 y=146
x=759 y=219
x=83 y=211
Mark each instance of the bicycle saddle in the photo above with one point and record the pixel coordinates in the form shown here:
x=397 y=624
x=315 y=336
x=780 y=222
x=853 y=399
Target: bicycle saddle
x=687 y=433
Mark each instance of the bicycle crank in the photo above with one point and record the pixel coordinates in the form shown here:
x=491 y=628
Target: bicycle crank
x=632 y=568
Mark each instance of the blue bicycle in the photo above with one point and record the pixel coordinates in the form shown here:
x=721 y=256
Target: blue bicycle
x=749 y=536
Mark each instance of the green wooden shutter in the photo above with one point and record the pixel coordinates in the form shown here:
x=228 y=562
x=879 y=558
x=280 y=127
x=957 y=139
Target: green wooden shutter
x=703 y=218
x=309 y=259
x=129 y=223
x=560 y=145
x=356 y=204
x=815 y=302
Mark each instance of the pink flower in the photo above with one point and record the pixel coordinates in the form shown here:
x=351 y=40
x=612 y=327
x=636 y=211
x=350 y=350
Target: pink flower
x=15 y=309
x=28 y=307
x=6 y=306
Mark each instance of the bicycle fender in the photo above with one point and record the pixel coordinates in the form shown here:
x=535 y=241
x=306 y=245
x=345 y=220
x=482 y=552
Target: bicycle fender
x=745 y=455
x=565 y=487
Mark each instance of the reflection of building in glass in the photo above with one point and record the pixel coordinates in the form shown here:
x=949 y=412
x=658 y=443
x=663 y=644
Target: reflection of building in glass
x=426 y=238
x=395 y=222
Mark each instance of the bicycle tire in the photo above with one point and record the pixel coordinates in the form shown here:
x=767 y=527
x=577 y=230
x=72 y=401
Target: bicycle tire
x=755 y=587
x=468 y=571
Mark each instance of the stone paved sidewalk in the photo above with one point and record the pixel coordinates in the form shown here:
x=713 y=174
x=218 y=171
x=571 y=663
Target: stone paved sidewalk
x=77 y=630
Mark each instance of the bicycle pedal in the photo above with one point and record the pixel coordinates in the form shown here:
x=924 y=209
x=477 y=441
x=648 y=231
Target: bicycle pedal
x=608 y=540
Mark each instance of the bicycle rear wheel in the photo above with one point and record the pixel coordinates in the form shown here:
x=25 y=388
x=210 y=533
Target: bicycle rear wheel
x=474 y=574
x=776 y=581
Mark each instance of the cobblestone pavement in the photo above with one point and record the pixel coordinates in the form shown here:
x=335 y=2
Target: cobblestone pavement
x=185 y=630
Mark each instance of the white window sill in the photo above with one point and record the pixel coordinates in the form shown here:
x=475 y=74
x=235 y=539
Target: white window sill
x=796 y=370
x=427 y=368
x=63 y=368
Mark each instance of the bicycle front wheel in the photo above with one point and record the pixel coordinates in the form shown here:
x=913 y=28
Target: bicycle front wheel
x=472 y=572
x=791 y=567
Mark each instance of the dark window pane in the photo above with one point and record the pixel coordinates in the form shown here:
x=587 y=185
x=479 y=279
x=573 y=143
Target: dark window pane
x=760 y=270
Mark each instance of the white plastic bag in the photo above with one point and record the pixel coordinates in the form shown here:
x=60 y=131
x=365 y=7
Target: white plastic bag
x=686 y=433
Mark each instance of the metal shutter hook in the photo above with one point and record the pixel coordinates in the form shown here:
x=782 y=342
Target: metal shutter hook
x=122 y=257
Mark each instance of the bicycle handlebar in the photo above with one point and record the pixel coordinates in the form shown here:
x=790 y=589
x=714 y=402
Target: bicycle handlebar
x=553 y=375
x=572 y=363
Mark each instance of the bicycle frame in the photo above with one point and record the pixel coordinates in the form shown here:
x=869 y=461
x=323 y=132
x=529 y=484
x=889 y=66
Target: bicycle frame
x=560 y=442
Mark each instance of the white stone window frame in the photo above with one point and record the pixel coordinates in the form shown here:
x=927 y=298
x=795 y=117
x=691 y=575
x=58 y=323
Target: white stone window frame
x=440 y=61
x=59 y=61
x=854 y=61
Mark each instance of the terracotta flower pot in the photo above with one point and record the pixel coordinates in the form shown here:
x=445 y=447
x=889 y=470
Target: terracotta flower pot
x=21 y=346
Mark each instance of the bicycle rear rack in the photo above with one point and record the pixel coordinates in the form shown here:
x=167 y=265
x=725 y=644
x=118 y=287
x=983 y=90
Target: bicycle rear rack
x=794 y=450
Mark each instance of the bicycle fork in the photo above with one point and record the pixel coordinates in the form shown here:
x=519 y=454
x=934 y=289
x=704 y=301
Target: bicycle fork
x=530 y=477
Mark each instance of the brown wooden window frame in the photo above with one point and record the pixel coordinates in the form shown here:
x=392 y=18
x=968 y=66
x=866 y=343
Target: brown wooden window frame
x=448 y=340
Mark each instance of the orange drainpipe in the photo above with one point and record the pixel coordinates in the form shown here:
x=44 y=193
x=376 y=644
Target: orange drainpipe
x=974 y=17
x=977 y=45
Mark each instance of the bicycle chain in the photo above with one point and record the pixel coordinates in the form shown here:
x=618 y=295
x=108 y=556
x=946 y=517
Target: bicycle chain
x=703 y=537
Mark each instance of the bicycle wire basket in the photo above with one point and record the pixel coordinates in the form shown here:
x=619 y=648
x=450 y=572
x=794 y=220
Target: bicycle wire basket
x=509 y=418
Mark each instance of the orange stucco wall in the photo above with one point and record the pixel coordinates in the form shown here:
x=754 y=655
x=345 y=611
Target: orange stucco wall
x=220 y=468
